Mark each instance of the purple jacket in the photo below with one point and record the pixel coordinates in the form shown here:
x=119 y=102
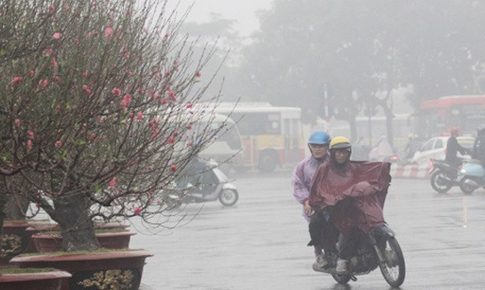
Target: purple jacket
x=302 y=180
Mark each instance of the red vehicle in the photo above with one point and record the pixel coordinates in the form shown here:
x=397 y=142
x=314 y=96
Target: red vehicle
x=437 y=117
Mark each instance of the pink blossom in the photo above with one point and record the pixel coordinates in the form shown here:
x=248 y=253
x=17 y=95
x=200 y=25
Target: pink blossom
x=164 y=101
x=198 y=74
x=57 y=36
x=92 y=136
x=51 y=8
x=170 y=140
x=58 y=144
x=189 y=105
x=108 y=32
x=86 y=89
x=175 y=133
x=54 y=63
x=29 y=144
x=85 y=74
x=116 y=92
x=32 y=73
x=126 y=100
x=16 y=80
x=171 y=94
x=137 y=210
x=155 y=121
x=112 y=182
x=17 y=122
x=191 y=144
x=139 y=116
x=173 y=167
x=43 y=83
x=31 y=134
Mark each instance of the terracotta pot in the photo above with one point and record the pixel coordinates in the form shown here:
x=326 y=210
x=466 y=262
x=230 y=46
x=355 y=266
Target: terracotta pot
x=15 y=239
x=53 y=243
x=112 y=270
x=51 y=280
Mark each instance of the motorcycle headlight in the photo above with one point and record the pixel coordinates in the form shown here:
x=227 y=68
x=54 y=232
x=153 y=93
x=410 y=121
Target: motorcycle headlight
x=463 y=171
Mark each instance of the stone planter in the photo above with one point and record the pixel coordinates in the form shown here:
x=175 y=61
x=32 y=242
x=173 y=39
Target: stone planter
x=15 y=239
x=108 y=270
x=49 y=280
x=45 y=243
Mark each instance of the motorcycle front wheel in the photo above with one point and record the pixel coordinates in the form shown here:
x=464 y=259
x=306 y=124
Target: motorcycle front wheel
x=229 y=197
x=438 y=182
x=341 y=279
x=467 y=189
x=394 y=268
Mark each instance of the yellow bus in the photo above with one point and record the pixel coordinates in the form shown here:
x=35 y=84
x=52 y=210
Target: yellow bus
x=272 y=136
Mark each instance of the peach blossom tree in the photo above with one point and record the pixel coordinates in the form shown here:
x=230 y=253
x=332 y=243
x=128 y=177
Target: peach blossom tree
x=98 y=104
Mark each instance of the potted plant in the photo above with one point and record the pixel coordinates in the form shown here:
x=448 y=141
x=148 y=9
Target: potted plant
x=28 y=278
x=97 y=111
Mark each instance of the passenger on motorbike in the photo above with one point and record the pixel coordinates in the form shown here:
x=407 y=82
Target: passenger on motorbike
x=301 y=184
x=352 y=194
x=478 y=151
x=453 y=147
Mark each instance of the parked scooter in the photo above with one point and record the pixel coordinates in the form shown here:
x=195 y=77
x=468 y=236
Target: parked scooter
x=443 y=176
x=212 y=185
x=472 y=176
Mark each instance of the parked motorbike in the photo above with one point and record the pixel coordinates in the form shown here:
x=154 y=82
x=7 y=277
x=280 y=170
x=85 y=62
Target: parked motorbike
x=378 y=248
x=472 y=176
x=212 y=186
x=443 y=176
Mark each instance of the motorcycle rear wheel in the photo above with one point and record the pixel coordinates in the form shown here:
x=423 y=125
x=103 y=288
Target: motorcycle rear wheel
x=435 y=182
x=228 y=197
x=393 y=269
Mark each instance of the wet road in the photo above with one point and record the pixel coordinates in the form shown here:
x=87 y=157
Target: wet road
x=260 y=243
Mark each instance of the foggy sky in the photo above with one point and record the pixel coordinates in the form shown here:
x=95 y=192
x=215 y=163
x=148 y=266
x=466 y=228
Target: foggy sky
x=241 y=10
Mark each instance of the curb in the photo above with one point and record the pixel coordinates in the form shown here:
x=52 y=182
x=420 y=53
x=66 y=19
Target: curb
x=410 y=171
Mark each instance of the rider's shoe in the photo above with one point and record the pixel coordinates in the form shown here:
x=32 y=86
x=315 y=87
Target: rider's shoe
x=341 y=268
x=320 y=262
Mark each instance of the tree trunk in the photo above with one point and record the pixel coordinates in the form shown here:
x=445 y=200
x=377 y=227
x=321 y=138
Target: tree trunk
x=2 y=206
x=77 y=229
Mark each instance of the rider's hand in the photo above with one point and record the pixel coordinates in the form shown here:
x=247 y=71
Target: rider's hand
x=307 y=208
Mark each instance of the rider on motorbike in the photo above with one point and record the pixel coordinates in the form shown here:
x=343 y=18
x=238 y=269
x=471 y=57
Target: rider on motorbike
x=453 y=147
x=352 y=194
x=301 y=184
x=478 y=151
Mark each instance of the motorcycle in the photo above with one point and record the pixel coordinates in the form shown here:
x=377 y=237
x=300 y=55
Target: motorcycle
x=214 y=185
x=378 y=248
x=472 y=176
x=443 y=176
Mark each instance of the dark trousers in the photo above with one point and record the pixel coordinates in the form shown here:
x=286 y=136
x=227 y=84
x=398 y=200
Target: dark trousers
x=323 y=233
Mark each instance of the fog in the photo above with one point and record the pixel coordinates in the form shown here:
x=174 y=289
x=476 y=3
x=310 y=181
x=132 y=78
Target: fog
x=378 y=59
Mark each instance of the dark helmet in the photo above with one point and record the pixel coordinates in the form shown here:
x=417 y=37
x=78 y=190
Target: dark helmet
x=481 y=130
x=319 y=138
x=340 y=142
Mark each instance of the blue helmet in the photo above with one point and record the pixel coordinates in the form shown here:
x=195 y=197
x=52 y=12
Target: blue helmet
x=319 y=138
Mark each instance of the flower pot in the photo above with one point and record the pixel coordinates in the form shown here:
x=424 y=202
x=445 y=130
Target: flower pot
x=110 y=270
x=53 y=243
x=15 y=239
x=50 y=280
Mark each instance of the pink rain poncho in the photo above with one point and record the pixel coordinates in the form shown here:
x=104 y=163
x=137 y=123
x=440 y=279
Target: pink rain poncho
x=356 y=194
